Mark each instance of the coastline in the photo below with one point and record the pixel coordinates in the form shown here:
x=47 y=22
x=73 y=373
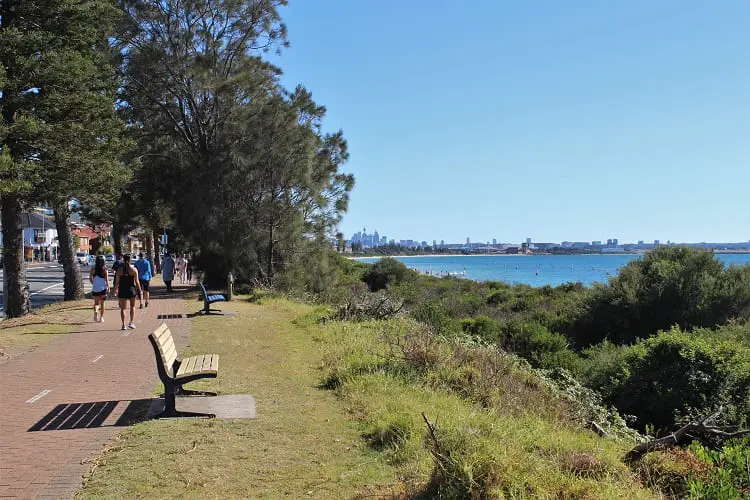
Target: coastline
x=453 y=255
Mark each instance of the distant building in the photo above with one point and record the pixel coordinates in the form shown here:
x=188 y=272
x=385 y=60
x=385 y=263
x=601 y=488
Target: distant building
x=528 y=242
x=442 y=243
x=596 y=243
x=434 y=244
x=656 y=243
x=468 y=242
x=545 y=246
x=511 y=250
x=615 y=241
x=494 y=241
x=609 y=242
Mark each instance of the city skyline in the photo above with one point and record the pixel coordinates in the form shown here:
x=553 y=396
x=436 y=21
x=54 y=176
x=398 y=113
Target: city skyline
x=612 y=240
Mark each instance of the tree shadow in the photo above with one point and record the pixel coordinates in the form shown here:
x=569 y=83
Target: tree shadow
x=93 y=414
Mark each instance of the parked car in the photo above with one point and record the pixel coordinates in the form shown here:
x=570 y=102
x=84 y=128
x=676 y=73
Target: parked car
x=82 y=258
x=92 y=260
x=109 y=259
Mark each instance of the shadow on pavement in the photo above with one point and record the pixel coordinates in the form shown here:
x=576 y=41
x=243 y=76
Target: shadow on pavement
x=66 y=416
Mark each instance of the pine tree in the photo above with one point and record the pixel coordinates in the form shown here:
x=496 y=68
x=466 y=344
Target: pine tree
x=59 y=112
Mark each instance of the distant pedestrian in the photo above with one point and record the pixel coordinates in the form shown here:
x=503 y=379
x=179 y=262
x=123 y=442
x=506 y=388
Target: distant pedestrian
x=145 y=273
x=182 y=266
x=128 y=287
x=99 y=287
x=190 y=268
x=167 y=271
x=117 y=263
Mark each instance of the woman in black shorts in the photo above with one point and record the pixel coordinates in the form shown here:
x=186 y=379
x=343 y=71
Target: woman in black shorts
x=128 y=288
x=99 y=287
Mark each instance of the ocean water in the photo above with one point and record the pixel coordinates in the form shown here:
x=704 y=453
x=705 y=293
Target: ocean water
x=534 y=270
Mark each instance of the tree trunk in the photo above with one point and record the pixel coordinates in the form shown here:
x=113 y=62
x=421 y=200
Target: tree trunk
x=157 y=253
x=149 y=246
x=73 y=285
x=17 y=298
x=116 y=238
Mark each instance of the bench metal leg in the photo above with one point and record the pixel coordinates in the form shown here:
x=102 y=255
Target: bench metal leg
x=171 y=412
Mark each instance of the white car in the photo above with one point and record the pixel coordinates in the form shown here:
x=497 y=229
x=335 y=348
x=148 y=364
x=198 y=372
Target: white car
x=82 y=258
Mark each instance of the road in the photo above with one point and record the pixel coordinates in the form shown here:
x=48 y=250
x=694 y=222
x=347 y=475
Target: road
x=46 y=283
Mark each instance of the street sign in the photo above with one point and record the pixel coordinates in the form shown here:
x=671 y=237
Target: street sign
x=164 y=239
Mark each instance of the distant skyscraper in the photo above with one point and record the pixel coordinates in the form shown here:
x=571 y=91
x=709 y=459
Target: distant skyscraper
x=468 y=242
x=609 y=241
x=656 y=243
x=615 y=241
x=375 y=239
x=434 y=244
x=528 y=241
x=494 y=241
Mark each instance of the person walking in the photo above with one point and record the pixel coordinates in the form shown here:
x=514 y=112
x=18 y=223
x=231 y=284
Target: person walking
x=167 y=271
x=145 y=273
x=183 y=269
x=189 y=266
x=99 y=287
x=127 y=286
x=117 y=263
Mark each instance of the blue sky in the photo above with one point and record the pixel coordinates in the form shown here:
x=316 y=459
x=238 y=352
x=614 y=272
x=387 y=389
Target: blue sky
x=577 y=120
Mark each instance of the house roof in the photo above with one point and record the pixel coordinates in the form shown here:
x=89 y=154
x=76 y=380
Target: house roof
x=85 y=232
x=31 y=220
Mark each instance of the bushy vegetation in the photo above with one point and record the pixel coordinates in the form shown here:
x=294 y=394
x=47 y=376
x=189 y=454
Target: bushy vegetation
x=669 y=286
x=664 y=342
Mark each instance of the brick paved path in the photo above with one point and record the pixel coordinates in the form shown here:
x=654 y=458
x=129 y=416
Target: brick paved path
x=60 y=404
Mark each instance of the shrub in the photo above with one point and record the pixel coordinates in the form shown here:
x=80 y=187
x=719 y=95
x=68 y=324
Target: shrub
x=677 y=374
x=435 y=317
x=499 y=296
x=669 y=286
x=387 y=271
x=482 y=326
x=606 y=368
x=727 y=475
x=360 y=305
x=541 y=347
x=672 y=471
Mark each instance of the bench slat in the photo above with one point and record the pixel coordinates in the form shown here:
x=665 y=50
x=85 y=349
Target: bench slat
x=190 y=365
x=161 y=330
x=170 y=355
x=197 y=365
x=207 y=362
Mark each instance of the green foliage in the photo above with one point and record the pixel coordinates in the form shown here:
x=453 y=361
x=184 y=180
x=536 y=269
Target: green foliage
x=669 y=286
x=106 y=250
x=606 y=367
x=386 y=272
x=499 y=295
x=482 y=327
x=541 y=347
x=240 y=163
x=729 y=476
x=676 y=375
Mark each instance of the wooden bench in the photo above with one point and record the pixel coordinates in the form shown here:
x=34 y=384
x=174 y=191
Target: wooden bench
x=210 y=299
x=174 y=372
